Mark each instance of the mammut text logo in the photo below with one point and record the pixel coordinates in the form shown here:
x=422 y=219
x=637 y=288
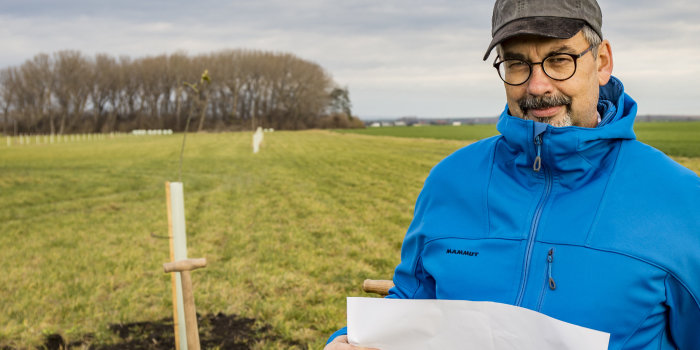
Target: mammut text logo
x=461 y=252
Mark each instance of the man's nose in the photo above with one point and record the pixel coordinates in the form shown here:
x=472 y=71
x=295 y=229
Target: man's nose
x=539 y=83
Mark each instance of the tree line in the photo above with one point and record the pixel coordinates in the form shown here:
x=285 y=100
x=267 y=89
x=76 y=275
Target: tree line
x=69 y=92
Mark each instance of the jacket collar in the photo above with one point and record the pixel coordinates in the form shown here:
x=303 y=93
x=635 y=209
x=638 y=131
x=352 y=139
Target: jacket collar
x=566 y=149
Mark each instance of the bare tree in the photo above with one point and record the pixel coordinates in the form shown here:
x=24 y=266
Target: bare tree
x=67 y=92
x=102 y=84
x=8 y=93
x=33 y=85
x=71 y=73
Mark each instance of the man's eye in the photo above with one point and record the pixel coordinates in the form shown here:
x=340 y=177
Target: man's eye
x=559 y=60
x=515 y=64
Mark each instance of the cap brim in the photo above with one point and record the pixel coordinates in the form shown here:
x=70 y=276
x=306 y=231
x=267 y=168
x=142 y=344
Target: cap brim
x=550 y=27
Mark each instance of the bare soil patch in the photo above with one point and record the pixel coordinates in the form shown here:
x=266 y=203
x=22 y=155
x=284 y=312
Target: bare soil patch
x=215 y=331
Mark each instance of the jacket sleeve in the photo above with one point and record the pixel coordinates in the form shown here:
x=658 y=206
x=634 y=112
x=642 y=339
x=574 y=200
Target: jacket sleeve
x=684 y=315
x=342 y=331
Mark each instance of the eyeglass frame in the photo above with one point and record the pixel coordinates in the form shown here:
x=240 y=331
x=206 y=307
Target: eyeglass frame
x=530 y=65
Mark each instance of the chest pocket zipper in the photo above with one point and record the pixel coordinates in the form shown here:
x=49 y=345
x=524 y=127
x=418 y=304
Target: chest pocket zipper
x=549 y=281
x=550 y=261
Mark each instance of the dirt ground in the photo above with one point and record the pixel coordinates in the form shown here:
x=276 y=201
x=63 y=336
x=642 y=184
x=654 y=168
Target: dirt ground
x=215 y=331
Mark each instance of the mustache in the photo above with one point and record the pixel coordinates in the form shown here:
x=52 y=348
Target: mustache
x=538 y=102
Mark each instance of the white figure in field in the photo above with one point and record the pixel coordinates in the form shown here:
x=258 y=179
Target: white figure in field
x=257 y=139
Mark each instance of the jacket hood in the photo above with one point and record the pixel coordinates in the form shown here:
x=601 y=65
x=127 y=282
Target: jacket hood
x=570 y=148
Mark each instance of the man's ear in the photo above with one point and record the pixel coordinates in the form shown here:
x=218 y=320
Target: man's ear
x=605 y=62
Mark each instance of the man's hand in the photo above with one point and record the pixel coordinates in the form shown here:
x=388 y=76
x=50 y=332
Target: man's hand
x=341 y=343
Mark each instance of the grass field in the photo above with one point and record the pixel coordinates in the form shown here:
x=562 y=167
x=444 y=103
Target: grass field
x=674 y=138
x=288 y=233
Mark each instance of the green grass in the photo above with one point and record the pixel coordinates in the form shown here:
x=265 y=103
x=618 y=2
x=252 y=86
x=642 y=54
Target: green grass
x=674 y=138
x=288 y=233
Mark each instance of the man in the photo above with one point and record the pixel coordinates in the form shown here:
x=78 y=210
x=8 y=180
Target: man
x=565 y=212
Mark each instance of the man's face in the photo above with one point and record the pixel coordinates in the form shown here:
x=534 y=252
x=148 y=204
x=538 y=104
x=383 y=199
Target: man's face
x=559 y=103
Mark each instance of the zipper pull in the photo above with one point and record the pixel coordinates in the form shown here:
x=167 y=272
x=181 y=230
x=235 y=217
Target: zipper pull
x=539 y=130
x=550 y=260
x=537 y=165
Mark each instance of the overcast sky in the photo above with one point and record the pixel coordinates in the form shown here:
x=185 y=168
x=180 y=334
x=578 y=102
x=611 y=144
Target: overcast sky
x=398 y=58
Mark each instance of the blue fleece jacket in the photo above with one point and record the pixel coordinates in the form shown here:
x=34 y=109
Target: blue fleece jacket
x=606 y=234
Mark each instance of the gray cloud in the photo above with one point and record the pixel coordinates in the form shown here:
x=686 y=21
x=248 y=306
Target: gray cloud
x=397 y=57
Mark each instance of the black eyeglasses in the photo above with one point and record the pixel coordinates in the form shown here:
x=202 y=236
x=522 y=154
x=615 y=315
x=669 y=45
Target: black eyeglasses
x=558 y=66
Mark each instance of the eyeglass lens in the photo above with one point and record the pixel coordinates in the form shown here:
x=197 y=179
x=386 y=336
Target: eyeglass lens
x=557 y=67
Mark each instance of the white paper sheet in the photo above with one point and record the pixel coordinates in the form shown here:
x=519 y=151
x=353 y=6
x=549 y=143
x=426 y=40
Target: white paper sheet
x=400 y=324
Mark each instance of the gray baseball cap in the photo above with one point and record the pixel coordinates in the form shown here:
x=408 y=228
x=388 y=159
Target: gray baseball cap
x=560 y=19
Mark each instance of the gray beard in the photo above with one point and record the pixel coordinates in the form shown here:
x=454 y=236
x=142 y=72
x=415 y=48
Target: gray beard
x=566 y=121
x=533 y=102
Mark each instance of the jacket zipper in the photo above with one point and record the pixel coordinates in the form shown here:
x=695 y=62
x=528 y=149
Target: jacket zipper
x=549 y=281
x=537 y=166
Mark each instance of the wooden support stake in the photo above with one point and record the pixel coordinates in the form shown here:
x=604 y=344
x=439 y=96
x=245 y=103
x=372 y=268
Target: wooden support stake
x=190 y=312
x=184 y=267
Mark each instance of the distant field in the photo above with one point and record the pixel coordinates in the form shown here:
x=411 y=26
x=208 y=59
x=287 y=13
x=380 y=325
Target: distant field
x=674 y=138
x=288 y=233
x=446 y=132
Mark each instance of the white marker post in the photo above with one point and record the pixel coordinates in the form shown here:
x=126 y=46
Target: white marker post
x=178 y=251
x=257 y=139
